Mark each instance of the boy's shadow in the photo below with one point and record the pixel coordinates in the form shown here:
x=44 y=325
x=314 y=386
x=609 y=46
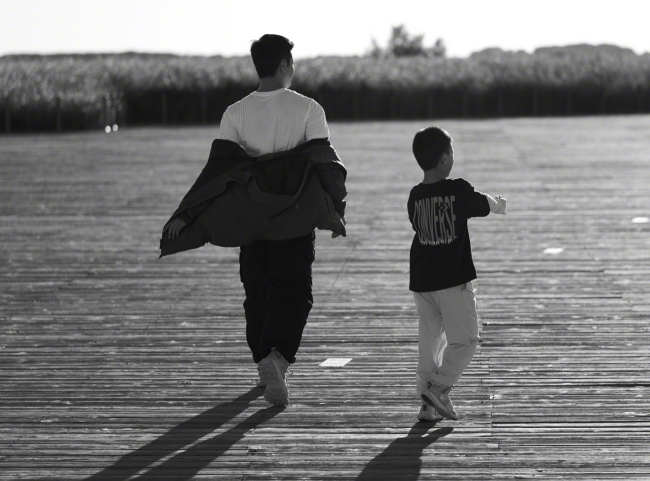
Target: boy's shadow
x=403 y=454
x=186 y=464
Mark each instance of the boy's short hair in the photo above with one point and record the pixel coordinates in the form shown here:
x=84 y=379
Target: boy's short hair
x=268 y=52
x=428 y=146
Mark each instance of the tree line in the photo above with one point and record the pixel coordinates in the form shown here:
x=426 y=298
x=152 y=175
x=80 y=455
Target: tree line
x=406 y=80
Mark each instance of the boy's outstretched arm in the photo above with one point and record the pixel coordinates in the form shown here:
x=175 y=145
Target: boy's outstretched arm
x=498 y=204
x=482 y=204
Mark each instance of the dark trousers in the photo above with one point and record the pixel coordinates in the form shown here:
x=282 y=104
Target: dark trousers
x=278 y=284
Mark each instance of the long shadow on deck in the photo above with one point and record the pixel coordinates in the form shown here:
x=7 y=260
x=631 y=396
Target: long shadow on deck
x=187 y=463
x=403 y=455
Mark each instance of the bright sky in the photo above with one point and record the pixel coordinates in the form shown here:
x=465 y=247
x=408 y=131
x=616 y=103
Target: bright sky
x=326 y=27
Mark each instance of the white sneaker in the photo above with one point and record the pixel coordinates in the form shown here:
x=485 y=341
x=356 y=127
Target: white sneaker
x=427 y=413
x=437 y=396
x=273 y=369
x=259 y=382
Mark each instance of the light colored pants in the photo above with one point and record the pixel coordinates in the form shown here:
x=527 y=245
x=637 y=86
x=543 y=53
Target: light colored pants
x=448 y=334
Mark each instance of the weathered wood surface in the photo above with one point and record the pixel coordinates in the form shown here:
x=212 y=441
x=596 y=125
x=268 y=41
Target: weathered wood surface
x=115 y=365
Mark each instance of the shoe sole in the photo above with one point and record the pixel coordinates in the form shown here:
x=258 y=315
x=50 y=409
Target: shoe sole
x=438 y=406
x=276 y=392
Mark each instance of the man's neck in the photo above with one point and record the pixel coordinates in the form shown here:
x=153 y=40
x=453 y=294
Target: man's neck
x=270 y=84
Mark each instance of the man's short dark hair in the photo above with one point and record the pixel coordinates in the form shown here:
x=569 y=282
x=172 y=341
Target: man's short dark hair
x=268 y=52
x=428 y=146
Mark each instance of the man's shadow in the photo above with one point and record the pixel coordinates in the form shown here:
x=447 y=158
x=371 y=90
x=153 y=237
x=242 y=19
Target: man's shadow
x=186 y=464
x=404 y=454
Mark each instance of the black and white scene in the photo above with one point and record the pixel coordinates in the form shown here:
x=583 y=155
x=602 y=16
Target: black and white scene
x=340 y=240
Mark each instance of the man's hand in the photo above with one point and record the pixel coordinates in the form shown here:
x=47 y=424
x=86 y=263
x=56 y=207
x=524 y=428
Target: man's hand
x=339 y=229
x=174 y=228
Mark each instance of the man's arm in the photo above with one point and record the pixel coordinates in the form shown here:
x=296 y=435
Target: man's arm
x=227 y=128
x=190 y=214
x=316 y=124
x=331 y=176
x=185 y=218
x=227 y=131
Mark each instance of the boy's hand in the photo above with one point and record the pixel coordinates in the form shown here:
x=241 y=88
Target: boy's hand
x=503 y=204
x=339 y=229
x=174 y=228
x=498 y=204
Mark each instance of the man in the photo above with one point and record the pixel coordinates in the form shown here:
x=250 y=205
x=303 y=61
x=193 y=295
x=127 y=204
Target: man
x=276 y=274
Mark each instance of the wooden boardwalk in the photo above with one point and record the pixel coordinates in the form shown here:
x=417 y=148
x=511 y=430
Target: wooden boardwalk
x=115 y=365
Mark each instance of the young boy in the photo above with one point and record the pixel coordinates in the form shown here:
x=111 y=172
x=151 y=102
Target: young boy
x=442 y=270
x=277 y=274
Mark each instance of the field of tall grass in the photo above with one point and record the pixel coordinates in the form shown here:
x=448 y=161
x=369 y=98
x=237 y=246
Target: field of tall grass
x=73 y=92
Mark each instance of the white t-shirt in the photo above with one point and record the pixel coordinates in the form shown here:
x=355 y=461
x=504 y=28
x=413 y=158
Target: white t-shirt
x=267 y=122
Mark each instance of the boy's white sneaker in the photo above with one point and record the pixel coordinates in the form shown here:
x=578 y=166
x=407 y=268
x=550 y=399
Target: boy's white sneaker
x=427 y=413
x=437 y=396
x=273 y=370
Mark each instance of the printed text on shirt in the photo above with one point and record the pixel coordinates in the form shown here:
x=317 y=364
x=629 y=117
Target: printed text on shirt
x=435 y=220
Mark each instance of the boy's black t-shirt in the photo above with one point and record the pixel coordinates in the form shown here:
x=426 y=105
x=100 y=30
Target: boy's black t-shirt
x=441 y=253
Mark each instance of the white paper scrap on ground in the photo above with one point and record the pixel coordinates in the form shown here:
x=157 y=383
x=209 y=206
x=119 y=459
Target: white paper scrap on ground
x=553 y=250
x=640 y=220
x=335 y=362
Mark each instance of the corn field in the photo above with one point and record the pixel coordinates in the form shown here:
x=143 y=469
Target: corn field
x=76 y=92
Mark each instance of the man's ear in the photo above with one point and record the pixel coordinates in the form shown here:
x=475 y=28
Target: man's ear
x=284 y=64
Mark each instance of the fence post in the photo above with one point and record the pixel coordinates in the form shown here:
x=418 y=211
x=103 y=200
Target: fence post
x=356 y=104
x=603 y=102
x=204 y=107
x=124 y=114
x=569 y=102
x=535 y=102
x=164 y=108
x=430 y=104
x=465 y=104
x=502 y=108
x=7 y=114
x=121 y=110
x=393 y=105
x=105 y=119
x=639 y=99
x=58 y=114
x=114 y=105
